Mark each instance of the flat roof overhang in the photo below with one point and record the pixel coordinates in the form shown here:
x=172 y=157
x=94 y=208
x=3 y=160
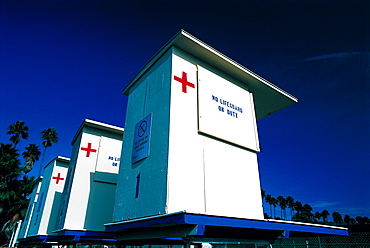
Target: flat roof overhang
x=39 y=239
x=181 y=225
x=268 y=98
x=83 y=236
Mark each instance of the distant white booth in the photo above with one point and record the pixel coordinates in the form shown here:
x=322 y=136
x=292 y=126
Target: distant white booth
x=191 y=138
x=88 y=195
x=44 y=204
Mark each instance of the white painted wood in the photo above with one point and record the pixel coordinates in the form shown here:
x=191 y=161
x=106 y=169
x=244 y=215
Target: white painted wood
x=185 y=184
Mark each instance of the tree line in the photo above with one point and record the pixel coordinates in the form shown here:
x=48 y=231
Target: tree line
x=304 y=212
x=15 y=184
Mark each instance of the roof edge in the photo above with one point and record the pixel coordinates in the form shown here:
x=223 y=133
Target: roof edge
x=255 y=83
x=96 y=124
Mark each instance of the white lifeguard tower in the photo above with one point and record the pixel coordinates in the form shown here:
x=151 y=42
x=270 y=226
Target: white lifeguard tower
x=44 y=205
x=191 y=139
x=88 y=195
x=189 y=171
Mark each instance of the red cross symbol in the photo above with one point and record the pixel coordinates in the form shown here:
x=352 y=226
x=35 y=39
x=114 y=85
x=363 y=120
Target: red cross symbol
x=184 y=81
x=88 y=149
x=58 y=178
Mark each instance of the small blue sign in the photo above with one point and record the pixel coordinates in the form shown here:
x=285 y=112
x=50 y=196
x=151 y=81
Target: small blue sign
x=141 y=144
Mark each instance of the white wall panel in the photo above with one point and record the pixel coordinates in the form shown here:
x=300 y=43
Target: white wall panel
x=141 y=187
x=79 y=195
x=232 y=181
x=185 y=163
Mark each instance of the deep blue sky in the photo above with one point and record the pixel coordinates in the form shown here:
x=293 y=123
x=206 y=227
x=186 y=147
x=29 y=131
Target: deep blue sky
x=64 y=61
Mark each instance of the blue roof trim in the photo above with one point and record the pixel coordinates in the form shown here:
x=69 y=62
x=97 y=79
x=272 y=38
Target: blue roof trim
x=146 y=222
x=79 y=235
x=202 y=221
x=41 y=238
x=261 y=224
x=84 y=233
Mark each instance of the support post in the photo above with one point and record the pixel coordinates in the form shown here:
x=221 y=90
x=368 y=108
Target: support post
x=187 y=242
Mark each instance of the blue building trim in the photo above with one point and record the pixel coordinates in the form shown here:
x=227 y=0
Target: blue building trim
x=209 y=226
x=80 y=236
x=203 y=227
x=39 y=239
x=71 y=236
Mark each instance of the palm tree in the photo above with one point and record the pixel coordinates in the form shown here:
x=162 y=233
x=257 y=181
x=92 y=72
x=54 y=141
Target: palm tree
x=325 y=214
x=307 y=213
x=347 y=219
x=31 y=155
x=290 y=203
x=18 y=130
x=359 y=220
x=274 y=202
x=298 y=206
x=279 y=199
x=318 y=216
x=50 y=136
x=263 y=194
x=366 y=219
x=268 y=200
x=283 y=205
x=13 y=189
x=10 y=170
x=337 y=217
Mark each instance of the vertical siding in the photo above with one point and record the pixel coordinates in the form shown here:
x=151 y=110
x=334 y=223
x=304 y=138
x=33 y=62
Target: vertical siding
x=150 y=95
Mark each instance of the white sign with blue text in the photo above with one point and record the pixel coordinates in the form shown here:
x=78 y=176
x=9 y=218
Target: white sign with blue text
x=141 y=144
x=109 y=155
x=226 y=111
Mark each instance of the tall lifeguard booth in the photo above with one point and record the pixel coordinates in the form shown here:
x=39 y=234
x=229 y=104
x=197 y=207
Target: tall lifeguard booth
x=189 y=171
x=191 y=138
x=88 y=195
x=43 y=208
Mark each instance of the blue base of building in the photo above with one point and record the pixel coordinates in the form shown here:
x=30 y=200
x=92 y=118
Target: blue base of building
x=184 y=226
x=70 y=237
x=186 y=229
